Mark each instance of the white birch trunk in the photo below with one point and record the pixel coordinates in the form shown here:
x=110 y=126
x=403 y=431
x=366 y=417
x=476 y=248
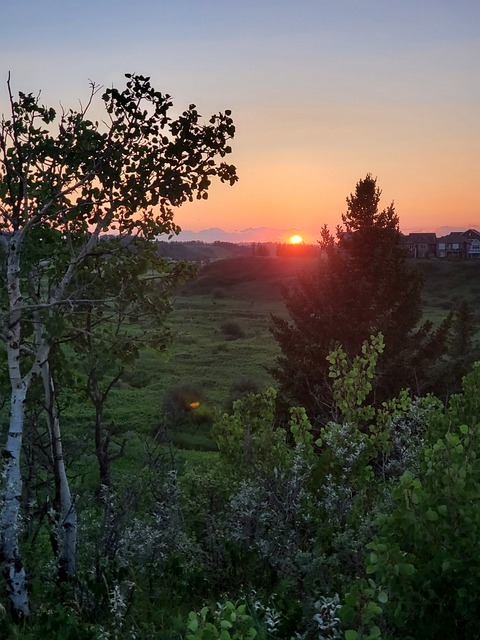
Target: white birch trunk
x=9 y=516
x=66 y=531
x=10 y=507
x=9 y=522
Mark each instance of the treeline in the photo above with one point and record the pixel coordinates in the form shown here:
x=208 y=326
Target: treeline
x=285 y=249
x=202 y=252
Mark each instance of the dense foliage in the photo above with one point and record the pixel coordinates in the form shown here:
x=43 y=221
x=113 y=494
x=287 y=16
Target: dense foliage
x=65 y=180
x=359 y=533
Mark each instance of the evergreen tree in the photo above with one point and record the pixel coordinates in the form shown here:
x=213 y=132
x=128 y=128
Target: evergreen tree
x=462 y=352
x=362 y=285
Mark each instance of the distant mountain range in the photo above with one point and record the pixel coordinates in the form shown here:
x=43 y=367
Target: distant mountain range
x=269 y=234
x=444 y=231
x=252 y=234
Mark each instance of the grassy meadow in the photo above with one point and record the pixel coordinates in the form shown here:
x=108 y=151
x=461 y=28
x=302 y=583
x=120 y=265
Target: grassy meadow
x=220 y=339
x=447 y=283
x=222 y=344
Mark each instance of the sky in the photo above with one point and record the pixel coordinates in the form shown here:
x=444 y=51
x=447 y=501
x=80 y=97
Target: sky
x=321 y=93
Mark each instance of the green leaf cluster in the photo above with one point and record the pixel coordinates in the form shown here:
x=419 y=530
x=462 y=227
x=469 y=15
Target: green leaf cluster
x=248 y=438
x=228 y=621
x=426 y=553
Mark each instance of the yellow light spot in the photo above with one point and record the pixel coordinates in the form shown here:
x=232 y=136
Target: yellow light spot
x=296 y=239
x=194 y=405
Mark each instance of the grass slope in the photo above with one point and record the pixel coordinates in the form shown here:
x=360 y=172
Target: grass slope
x=243 y=291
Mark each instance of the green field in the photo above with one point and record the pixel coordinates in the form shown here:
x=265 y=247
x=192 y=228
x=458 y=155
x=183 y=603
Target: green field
x=448 y=283
x=207 y=361
x=247 y=291
x=202 y=356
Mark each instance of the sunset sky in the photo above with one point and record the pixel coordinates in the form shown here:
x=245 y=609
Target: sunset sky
x=321 y=92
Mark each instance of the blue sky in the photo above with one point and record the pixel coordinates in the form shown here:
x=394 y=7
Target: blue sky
x=321 y=94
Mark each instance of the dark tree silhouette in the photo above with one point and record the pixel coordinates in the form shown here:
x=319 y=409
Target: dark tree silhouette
x=363 y=284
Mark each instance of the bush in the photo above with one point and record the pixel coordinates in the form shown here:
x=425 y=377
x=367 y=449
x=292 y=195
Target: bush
x=227 y=621
x=232 y=330
x=183 y=401
x=426 y=553
x=239 y=389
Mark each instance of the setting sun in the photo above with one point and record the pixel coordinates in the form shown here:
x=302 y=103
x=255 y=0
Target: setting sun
x=296 y=240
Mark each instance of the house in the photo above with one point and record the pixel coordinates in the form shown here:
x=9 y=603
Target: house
x=421 y=245
x=459 y=245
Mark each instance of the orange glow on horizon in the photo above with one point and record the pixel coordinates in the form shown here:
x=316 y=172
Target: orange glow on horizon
x=296 y=239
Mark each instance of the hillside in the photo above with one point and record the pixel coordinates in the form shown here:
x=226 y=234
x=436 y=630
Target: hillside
x=201 y=252
x=260 y=280
x=446 y=283
x=250 y=279
x=241 y=293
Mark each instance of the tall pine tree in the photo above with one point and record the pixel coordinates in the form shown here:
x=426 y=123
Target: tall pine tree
x=362 y=285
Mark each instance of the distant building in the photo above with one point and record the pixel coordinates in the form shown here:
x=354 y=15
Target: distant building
x=459 y=245
x=421 y=245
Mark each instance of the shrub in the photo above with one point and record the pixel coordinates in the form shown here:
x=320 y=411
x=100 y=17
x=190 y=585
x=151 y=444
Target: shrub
x=239 y=389
x=227 y=621
x=426 y=552
x=232 y=330
x=181 y=402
